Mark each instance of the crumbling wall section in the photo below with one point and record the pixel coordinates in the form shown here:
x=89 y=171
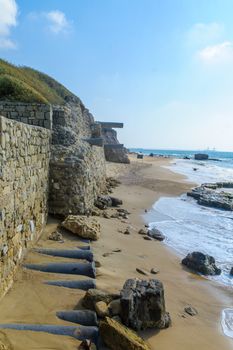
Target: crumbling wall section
x=24 y=170
x=77 y=169
x=116 y=155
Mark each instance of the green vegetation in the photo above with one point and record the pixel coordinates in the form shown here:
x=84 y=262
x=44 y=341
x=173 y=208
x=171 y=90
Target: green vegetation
x=25 y=84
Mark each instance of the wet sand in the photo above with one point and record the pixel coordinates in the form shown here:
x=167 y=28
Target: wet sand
x=143 y=182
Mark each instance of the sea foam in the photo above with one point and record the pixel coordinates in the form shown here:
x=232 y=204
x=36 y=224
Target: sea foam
x=227 y=322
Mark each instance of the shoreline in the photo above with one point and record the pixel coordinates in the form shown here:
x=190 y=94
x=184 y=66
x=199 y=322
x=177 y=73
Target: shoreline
x=141 y=187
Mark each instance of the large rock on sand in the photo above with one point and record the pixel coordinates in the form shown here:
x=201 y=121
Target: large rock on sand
x=118 y=337
x=143 y=304
x=202 y=263
x=85 y=227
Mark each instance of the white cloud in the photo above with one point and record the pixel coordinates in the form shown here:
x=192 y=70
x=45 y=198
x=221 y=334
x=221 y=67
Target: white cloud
x=205 y=33
x=58 y=21
x=8 y=19
x=220 y=53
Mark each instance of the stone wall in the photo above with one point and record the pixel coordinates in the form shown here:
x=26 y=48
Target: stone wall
x=24 y=168
x=117 y=155
x=32 y=114
x=77 y=169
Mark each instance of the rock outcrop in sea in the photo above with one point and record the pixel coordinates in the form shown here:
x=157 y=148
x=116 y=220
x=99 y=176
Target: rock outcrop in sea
x=211 y=195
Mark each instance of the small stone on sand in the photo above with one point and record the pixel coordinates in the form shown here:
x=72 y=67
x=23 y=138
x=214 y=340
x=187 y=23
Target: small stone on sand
x=141 y=271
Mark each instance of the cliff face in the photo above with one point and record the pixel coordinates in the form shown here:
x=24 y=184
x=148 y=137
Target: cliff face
x=117 y=155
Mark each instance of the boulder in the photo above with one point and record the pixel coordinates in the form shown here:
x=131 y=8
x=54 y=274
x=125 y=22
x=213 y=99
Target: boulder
x=92 y=296
x=103 y=202
x=101 y=309
x=85 y=227
x=116 y=201
x=118 y=337
x=156 y=234
x=55 y=236
x=202 y=263
x=115 y=307
x=143 y=304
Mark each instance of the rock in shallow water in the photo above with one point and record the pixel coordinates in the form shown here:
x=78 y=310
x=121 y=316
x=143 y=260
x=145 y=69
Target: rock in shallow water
x=156 y=234
x=84 y=227
x=202 y=263
x=143 y=304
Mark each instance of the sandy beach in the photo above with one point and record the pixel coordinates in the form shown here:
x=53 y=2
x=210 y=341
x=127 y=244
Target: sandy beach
x=142 y=183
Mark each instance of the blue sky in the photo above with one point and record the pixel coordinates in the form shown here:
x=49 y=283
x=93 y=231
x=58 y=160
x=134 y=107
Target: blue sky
x=163 y=67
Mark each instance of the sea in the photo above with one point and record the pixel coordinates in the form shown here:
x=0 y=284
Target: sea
x=191 y=227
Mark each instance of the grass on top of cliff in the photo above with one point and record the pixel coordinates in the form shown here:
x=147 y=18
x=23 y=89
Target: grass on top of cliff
x=24 y=84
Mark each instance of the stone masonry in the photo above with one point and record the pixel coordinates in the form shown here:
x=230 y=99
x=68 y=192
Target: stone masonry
x=77 y=169
x=32 y=114
x=24 y=169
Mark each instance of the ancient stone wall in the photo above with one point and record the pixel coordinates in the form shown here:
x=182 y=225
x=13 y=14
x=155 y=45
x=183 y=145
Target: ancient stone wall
x=77 y=169
x=24 y=168
x=117 y=155
x=32 y=114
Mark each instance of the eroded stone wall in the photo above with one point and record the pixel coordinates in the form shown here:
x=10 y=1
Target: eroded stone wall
x=24 y=169
x=116 y=155
x=77 y=169
x=28 y=113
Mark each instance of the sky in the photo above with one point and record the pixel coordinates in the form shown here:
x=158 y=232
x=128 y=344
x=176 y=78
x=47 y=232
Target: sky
x=163 y=67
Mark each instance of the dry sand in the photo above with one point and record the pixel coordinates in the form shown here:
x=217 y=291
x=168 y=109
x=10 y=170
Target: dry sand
x=143 y=182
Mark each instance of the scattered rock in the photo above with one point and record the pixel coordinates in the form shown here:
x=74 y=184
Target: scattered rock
x=96 y=212
x=101 y=309
x=127 y=231
x=154 y=271
x=115 y=307
x=56 y=236
x=143 y=304
x=85 y=227
x=156 y=234
x=106 y=215
x=117 y=250
x=106 y=254
x=148 y=238
x=231 y=272
x=141 y=271
x=190 y=310
x=103 y=202
x=202 y=263
x=118 y=337
x=116 y=201
x=146 y=225
x=143 y=231
x=92 y=296
x=115 y=216
x=123 y=211
x=97 y=263
x=87 y=345
x=146 y=210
